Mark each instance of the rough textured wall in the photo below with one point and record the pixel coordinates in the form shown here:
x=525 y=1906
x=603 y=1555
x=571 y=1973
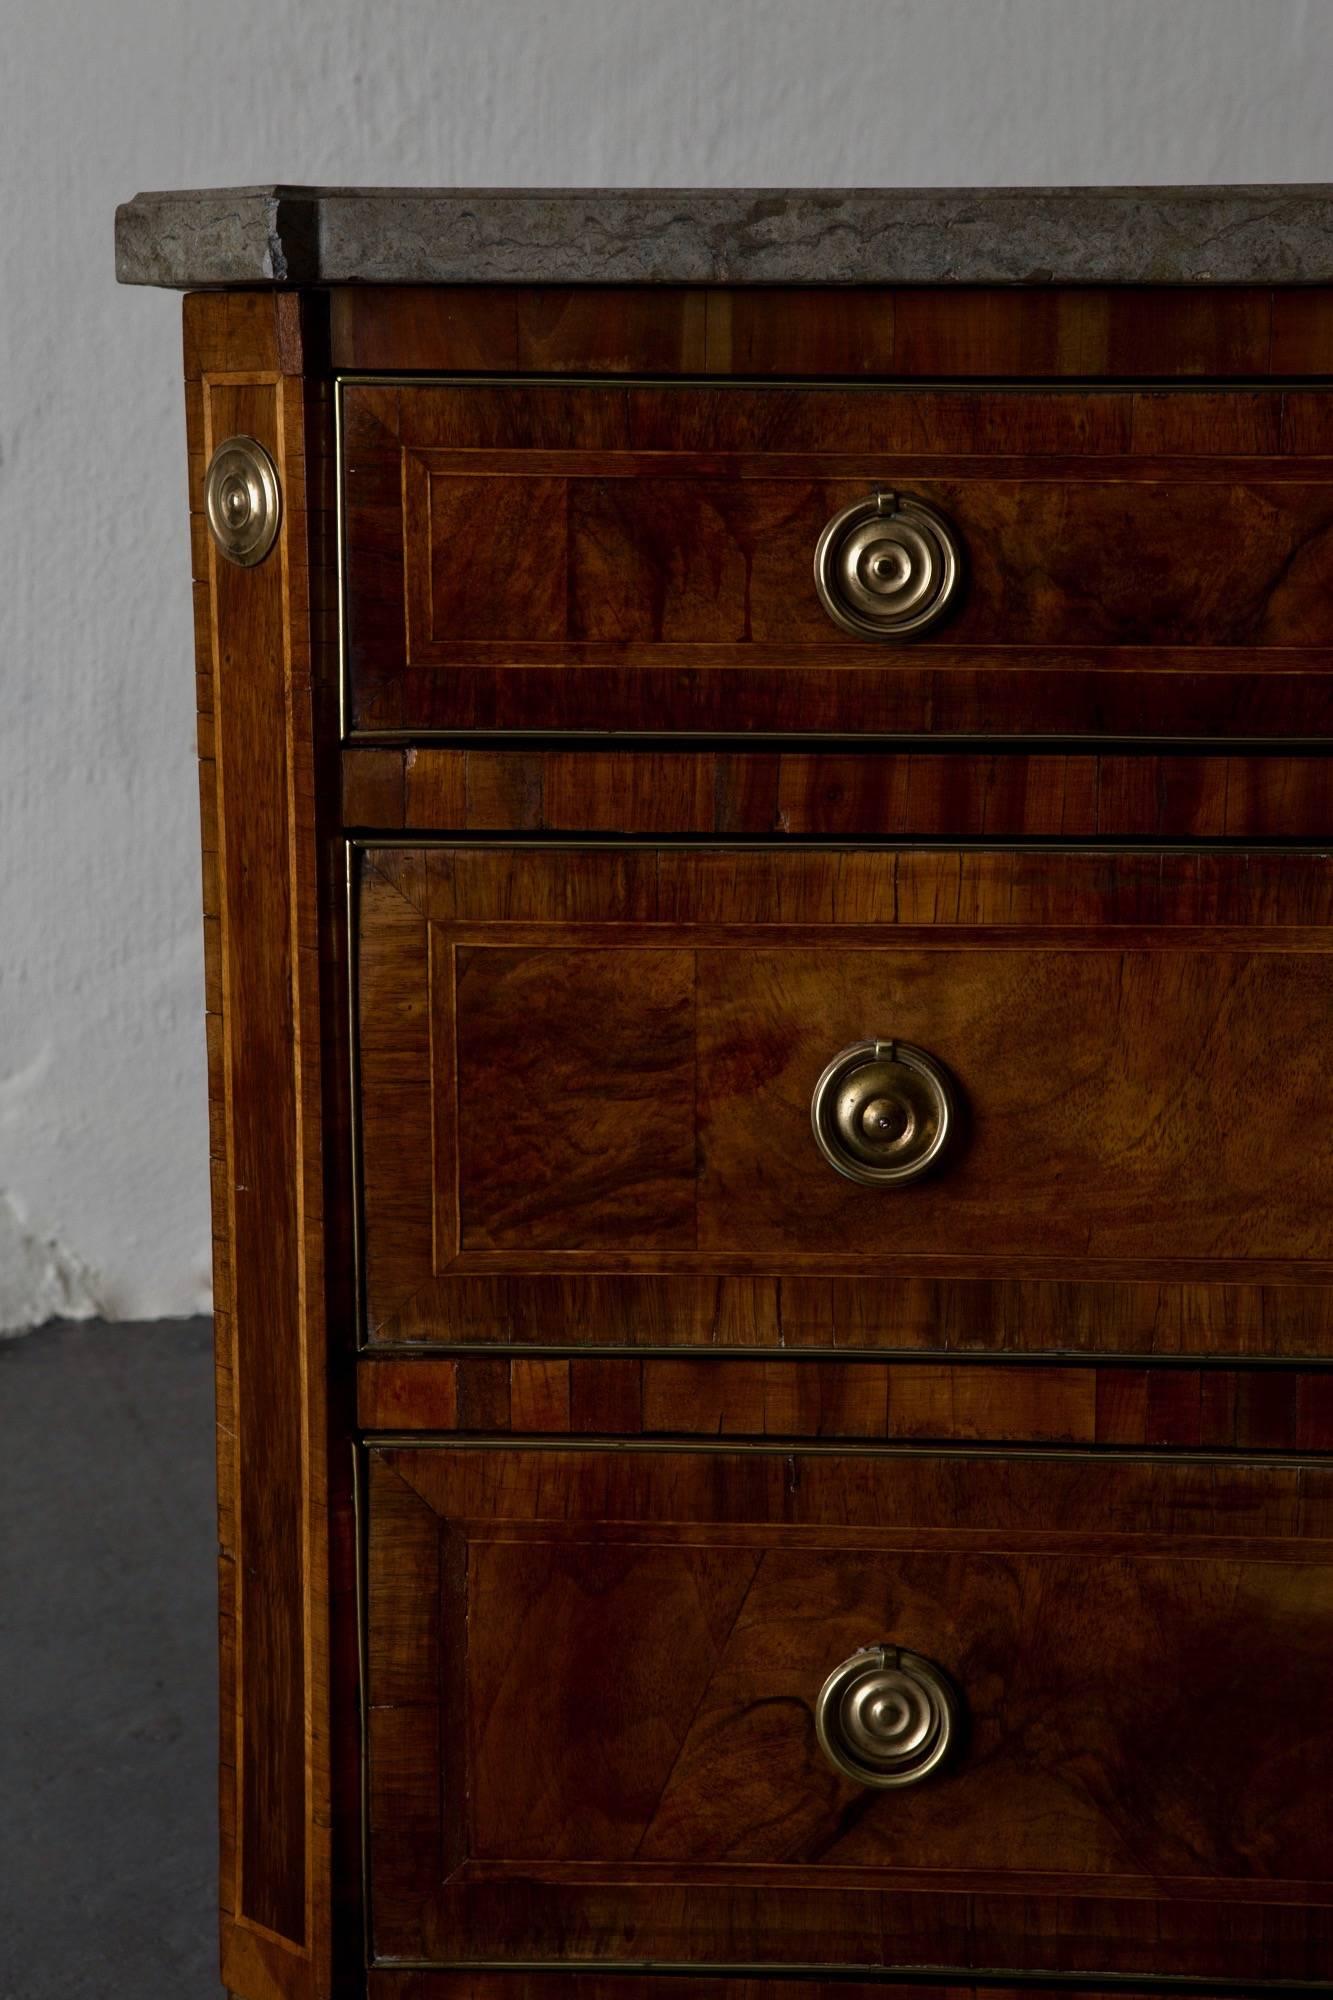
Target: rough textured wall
x=102 y=1135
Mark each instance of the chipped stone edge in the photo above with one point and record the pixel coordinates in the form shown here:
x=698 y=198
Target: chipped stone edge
x=1020 y=236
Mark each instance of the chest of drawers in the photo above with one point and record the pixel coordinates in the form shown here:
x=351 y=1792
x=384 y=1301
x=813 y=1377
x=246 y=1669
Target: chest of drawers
x=766 y=795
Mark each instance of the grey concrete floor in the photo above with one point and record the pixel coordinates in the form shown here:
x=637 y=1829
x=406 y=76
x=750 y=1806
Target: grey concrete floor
x=107 y=1664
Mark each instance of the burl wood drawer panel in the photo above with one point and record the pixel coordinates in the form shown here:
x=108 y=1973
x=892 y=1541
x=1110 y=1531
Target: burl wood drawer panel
x=534 y=556
x=593 y=1676
x=586 y=1077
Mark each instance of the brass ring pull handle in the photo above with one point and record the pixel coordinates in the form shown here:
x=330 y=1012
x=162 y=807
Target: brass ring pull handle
x=883 y=1113
x=887 y=1717
x=888 y=567
x=242 y=500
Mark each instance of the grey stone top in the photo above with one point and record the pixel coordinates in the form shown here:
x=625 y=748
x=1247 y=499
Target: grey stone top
x=715 y=236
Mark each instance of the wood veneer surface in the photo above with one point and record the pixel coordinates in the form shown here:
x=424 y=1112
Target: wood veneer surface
x=638 y=557
x=592 y=1677
x=586 y=1073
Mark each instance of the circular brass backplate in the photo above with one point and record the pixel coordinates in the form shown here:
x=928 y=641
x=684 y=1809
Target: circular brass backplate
x=887 y=1717
x=888 y=567
x=883 y=1112
x=242 y=500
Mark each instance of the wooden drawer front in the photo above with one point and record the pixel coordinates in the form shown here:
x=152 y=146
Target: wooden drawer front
x=586 y=1081
x=592 y=1677
x=551 y=557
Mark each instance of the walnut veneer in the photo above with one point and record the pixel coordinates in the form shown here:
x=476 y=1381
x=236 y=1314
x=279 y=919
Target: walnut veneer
x=575 y=1418
x=633 y=557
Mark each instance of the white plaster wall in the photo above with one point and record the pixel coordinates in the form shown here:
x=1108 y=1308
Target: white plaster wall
x=103 y=1189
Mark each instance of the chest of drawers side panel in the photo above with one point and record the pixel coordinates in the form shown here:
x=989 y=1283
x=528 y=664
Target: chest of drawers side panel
x=260 y=653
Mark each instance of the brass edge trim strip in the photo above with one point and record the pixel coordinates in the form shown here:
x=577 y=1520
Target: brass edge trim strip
x=354 y=1140
x=837 y=742
x=878 y=1975
x=361 y=1615
x=428 y=1351
x=1039 y=385
x=340 y=543
x=839 y=1448
x=816 y=843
